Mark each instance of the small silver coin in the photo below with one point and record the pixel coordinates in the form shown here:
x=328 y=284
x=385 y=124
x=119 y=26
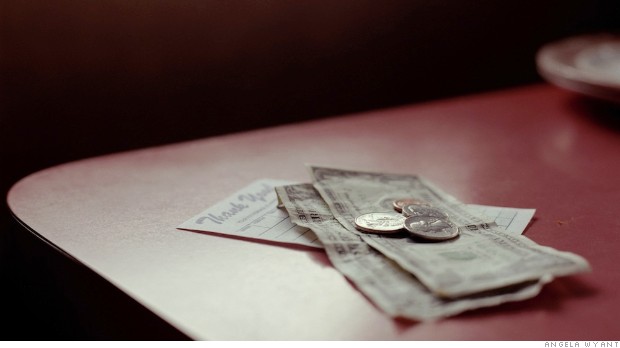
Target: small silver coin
x=431 y=228
x=400 y=203
x=420 y=210
x=381 y=223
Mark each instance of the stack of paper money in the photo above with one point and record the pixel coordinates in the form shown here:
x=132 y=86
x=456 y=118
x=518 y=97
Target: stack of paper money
x=484 y=266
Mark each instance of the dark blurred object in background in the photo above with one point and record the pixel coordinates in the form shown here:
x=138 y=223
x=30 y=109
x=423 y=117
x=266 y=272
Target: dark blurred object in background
x=83 y=78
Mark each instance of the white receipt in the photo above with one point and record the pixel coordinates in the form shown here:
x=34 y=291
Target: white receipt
x=253 y=213
x=512 y=220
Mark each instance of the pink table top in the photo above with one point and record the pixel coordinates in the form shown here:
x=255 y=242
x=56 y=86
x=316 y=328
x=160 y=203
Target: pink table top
x=531 y=147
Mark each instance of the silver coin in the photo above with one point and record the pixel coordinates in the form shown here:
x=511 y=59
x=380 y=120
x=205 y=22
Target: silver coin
x=400 y=203
x=389 y=222
x=431 y=228
x=420 y=210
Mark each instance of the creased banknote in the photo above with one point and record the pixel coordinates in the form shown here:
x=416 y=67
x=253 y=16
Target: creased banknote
x=482 y=258
x=390 y=287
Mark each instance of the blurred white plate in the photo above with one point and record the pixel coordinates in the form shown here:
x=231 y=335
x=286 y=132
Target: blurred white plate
x=588 y=65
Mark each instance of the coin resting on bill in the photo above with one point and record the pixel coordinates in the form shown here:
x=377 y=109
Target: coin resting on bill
x=431 y=228
x=380 y=222
x=418 y=218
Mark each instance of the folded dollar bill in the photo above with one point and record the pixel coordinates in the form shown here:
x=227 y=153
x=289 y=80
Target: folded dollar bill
x=482 y=258
x=390 y=287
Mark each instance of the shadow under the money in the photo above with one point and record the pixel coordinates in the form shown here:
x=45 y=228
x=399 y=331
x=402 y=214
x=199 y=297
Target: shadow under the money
x=322 y=259
x=529 y=225
x=550 y=299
